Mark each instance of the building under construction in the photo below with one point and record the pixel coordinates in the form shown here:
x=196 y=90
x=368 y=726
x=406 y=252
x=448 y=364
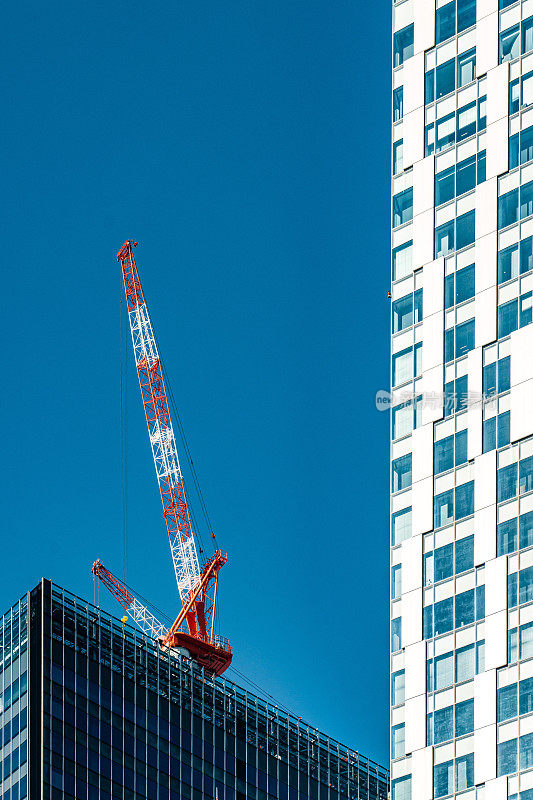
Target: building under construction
x=92 y=709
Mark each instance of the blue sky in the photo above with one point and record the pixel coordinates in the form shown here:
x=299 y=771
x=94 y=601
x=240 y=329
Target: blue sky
x=246 y=147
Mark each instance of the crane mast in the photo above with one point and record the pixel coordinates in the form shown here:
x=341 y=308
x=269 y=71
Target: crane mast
x=193 y=629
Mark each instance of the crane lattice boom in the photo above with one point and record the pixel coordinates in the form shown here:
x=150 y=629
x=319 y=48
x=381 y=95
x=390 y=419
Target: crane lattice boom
x=162 y=440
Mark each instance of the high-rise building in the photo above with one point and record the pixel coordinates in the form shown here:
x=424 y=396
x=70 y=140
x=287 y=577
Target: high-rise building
x=90 y=709
x=462 y=404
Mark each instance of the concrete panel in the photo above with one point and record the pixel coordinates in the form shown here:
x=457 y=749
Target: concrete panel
x=424 y=25
x=485 y=754
x=484 y=535
x=411 y=617
x=433 y=339
x=521 y=410
x=415 y=724
x=496 y=641
x=422 y=439
x=521 y=355
x=485 y=480
x=423 y=185
x=484 y=8
x=497 y=93
x=433 y=283
x=486 y=262
x=496 y=583
x=497 y=148
x=485 y=699
x=423 y=231
x=411 y=550
x=413 y=137
x=486 y=303
x=486 y=41
x=496 y=789
x=415 y=670
x=422 y=499
x=433 y=392
x=486 y=208
x=413 y=83
x=422 y=772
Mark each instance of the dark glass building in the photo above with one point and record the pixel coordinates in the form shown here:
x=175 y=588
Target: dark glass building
x=90 y=709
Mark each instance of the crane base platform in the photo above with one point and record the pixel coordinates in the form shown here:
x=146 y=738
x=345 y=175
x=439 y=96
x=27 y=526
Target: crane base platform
x=213 y=657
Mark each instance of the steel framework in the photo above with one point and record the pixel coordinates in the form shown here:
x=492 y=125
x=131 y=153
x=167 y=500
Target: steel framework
x=197 y=586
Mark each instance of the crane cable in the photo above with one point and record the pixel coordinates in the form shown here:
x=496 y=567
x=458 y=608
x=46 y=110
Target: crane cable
x=123 y=438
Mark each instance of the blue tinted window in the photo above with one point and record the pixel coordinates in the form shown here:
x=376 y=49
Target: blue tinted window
x=508 y=209
x=466 y=14
x=443 y=562
x=508 y=263
x=527 y=35
x=402 y=260
x=397 y=104
x=465 y=612
x=466 y=121
x=444 y=239
x=443 y=616
x=506 y=537
x=507 y=318
x=464 y=718
x=465 y=283
x=525 y=689
x=402 y=313
x=526 y=529
x=513 y=151
x=444 y=508
x=445 y=186
x=481 y=166
x=526 y=314
x=464 y=554
x=403 y=45
x=449 y=291
x=464 y=500
x=396 y=634
x=466 y=175
x=445 y=22
x=526 y=475
x=402 y=207
x=526 y=200
x=526 y=254
x=506 y=757
x=401 y=473
x=512 y=590
x=445 y=78
x=397 y=157
x=443 y=454
x=443 y=779
x=464 y=338
x=429 y=86
x=445 y=132
x=466 y=67
x=507 y=702
x=466 y=229
x=443 y=725
x=504 y=374
x=489 y=379
x=510 y=44
x=525 y=750
x=507 y=482
x=461 y=448
x=526 y=145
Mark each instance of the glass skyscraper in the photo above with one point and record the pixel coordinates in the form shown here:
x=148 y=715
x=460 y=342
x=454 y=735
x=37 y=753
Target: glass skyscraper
x=91 y=709
x=462 y=400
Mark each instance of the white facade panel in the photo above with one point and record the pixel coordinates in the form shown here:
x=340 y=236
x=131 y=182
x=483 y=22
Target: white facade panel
x=422 y=445
x=521 y=355
x=485 y=754
x=496 y=640
x=423 y=187
x=422 y=772
x=496 y=789
x=433 y=393
x=486 y=207
x=486 y=42
x=486 y=316
x=411 y=564
x=422 y=504
x=485 y=699
x=521 y=410
x=423 y=238
x=413 y=83
x=497 y=148
x=496 y=583
x=485 y=480
x=433 y=340
x=484 y=8
x=411 y=617
x=484 y=535
x=415 y=724
x=413 y=137
x=498 y=93
x=433 y=283
x=415 y=669
x=424 y=14
x=486 y=261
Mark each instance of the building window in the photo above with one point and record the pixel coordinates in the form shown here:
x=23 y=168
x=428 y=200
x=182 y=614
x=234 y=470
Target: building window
x=397 y=104
x=402 y=260
x=459 y=341
x=466 y=68
x=402 y=473
x=455 y=234
x=508 y=209
x=445 y=78
x=497 y=431
x=398 y=741
x=508 y=264
x=453 y=18
x=510 y=44
x=401 y=788
x=455 y=396
x=397 y=157
x=401 y=526
x=450 y=452
x=396 y=634
x=402 y=207
x=403 y=45
x=407 y=311
x=396 y=581
x=506 y=757
x=459 y=286
x=398 y=687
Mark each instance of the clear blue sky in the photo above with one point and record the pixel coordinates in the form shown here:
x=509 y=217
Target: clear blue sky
x=246 y=146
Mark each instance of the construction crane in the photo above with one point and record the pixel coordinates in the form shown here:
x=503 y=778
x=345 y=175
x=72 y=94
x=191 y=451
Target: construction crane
x=193 y=629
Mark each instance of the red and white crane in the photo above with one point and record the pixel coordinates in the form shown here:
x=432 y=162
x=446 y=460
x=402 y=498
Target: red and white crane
x=193 y=629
